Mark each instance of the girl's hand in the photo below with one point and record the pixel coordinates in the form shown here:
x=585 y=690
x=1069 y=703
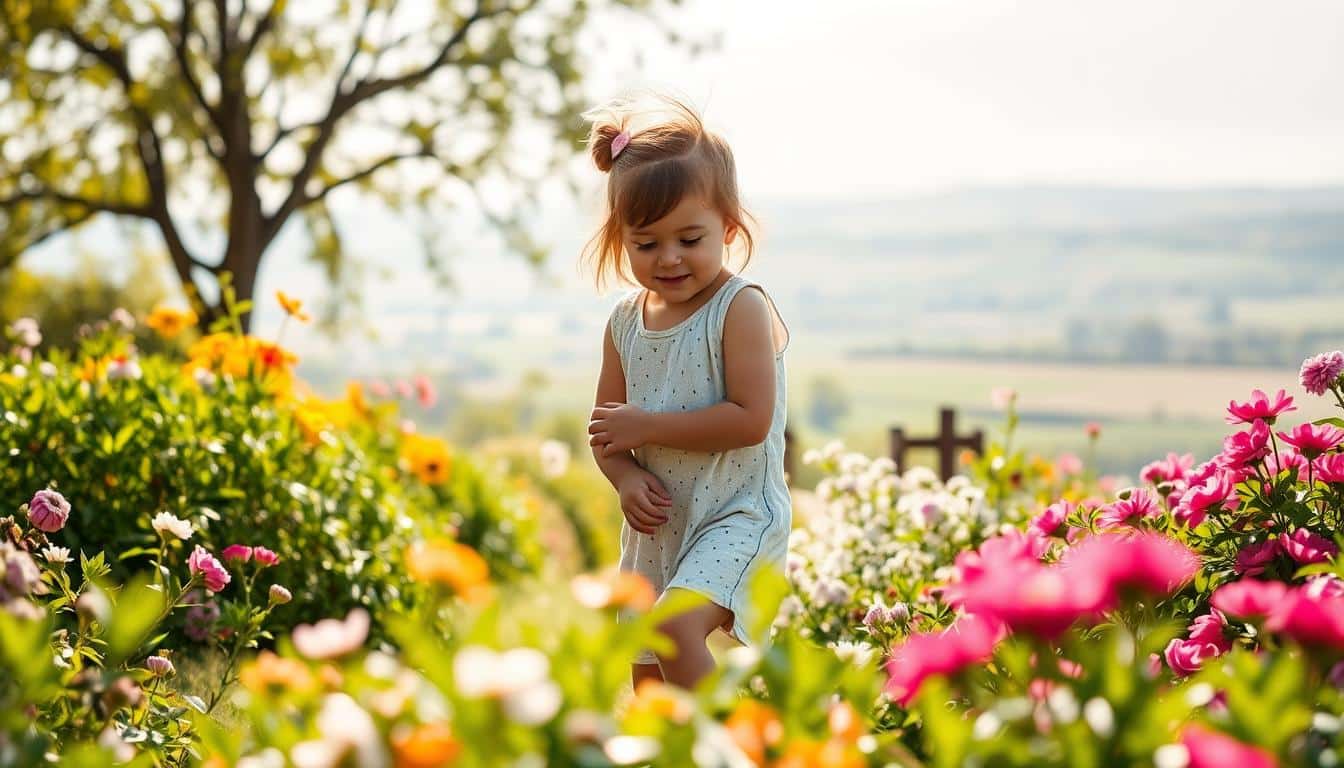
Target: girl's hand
x=618 y=427
x=644 y=501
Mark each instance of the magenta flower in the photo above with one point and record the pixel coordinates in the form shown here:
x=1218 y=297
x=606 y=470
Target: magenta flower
x=1330 y=468
x=1150 y=562
x=1008 y=552
x=1322 y=372
x=1312 y=440
x=1185 y=657
x=1248 y=598
x=1034 y=599
x=1211 y=628
x=264 y=556
x=1306 y=547
x=1211 y=749
x=1324 y=585
x=1259 y=407
x=1243 y=448
x=1253 y=559
x=1139 y=505
x=1048 y=522
x=1309 y=620
x=48 y=511
x=1286 y=460
x=1168 y=470
x=211 y=571
x=236 y=553
x=1218 y=492
x=969 y=641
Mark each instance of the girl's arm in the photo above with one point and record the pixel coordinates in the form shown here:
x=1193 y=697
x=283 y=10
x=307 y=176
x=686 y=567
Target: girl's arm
x=611 y=389
x=741 y=420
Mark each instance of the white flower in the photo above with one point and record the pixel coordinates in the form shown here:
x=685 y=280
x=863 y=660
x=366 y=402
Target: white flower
x=858 y=654
x=47 y=369
x=27 y=331
x=345 y=727
x=127 y=369
x=123 y=318
x=1002 y=397
x=19 y=371
x=332 y=638
x=56 y=555
x=520 y=678
x=554 y=458
x=205 y=379
x=167 y=522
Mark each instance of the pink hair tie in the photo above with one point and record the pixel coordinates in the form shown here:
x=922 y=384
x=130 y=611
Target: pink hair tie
x=619 y=143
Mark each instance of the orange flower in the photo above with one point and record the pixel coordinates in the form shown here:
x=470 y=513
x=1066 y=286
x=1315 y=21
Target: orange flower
x=169 y=322
x=426 y=746
x=845 y=723
x=292 y=306
x=451 y=564
x=273 y=357
x=427 y=458
x=93 y=368
x=272 y=674
x=755 y=727
x=354 y=396
x=810 y=754
x=618 y=589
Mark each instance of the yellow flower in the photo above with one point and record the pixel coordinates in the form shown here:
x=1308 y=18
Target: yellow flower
x=450 y=564
x=169 y=322
x=427 y=458
x=431 y=745
x=354 y=396
x=93 y=368
x=292 y=306
x=658 y=702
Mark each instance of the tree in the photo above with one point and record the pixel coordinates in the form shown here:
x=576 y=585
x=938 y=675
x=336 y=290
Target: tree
x=198 y=116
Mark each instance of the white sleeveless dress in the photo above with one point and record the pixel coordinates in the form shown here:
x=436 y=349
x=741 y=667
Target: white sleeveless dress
x=731 y=512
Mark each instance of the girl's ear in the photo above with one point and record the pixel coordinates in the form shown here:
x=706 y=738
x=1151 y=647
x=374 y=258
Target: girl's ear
x=729 y=234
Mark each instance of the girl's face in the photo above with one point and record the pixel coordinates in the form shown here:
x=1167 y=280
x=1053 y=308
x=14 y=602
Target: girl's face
x=681 y=254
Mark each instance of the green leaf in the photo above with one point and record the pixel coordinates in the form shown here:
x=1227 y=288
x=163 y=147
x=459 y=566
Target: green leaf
x=138 y=610
x=195 y=702
x=1333 y=420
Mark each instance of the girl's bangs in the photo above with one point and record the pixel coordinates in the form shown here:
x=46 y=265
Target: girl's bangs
x=651 y=191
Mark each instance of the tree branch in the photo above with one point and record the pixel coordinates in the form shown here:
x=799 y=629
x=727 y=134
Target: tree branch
x=180 y=51
x=342 y=102
x=263 y=26
x=107 y=206
x=366 y=172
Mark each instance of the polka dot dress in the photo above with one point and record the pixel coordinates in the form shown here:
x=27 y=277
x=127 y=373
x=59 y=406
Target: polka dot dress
x=730 y=511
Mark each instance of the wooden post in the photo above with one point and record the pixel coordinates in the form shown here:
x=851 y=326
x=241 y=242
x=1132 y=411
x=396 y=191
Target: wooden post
x=947 y=441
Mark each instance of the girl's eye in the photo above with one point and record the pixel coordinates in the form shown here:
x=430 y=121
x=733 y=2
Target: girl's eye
x=689 y=243
x=644 y=246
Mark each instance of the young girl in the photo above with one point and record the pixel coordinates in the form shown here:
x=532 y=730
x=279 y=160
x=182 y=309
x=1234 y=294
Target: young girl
x=689 y=417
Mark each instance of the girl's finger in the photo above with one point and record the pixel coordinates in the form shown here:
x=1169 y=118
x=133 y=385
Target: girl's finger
x=599 y=438
x=595 y=426
x=656 y=486
x=639 y=521
x=646 y=504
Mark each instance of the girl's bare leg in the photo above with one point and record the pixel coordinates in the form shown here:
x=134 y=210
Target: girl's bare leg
x=641 y=672
x=688 y=632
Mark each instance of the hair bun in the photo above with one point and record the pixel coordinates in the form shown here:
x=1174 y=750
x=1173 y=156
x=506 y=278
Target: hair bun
x=599 y=143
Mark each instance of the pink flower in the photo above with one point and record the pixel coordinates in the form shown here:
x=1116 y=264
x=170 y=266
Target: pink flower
x=1069 y=464
x=279 y=595
x=1322 y=372
x=1211 y=629
x=1167 y=470
x=970 y=640
x=264 y=556
x=1330 y=468
x=1011 y=551
x=1324 y=585
x=424 y=392
x=1285 y=460
x=1139 y=505
x=48 y=511
x=1002 y=397
x=1259 y=407
x=161 y=666
x=1306 y=547
x=201 y=616
x=1211 y=749
x=1312 y=440
x=1254 y=558
x=236 y=553
x=332 y=638
x=1185 y=657
x=211 y=571
x=1309 y=620
x=1217 y=492
x=1242 y=448
x=1048 y=522
x=403 y=388
x=379 y=388
x=1093 y=429
x=1150 y=562
x=1248 y=598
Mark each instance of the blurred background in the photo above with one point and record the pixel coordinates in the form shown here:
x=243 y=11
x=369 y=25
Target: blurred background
x=1128 y=213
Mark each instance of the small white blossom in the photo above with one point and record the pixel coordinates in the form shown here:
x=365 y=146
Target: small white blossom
x=166 y=522
x=554 y=458
x=47 y=369
x=56 y=555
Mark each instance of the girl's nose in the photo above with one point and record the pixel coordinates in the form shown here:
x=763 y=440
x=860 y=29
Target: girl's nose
x=668 y=256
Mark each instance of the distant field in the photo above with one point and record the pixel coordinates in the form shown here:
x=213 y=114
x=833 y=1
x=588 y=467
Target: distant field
x=1144 y=411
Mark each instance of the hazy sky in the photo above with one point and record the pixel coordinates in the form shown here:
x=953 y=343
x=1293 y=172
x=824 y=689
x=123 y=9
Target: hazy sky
x=826 y=99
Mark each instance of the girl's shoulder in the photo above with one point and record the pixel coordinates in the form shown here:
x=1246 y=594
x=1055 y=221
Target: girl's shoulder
x=623 y=313
x=739 y=285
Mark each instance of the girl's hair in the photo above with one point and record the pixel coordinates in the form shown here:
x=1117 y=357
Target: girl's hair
x=670 y=155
